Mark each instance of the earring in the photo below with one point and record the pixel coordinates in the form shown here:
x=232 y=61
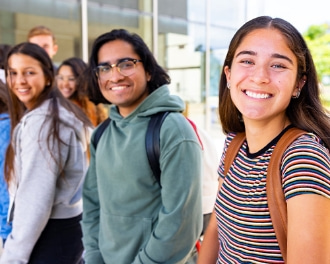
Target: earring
x=297 y=95
x=228 y=85
x=48 y=83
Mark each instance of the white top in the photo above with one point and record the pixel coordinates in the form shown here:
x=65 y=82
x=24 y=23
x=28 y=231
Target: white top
x=210 y=162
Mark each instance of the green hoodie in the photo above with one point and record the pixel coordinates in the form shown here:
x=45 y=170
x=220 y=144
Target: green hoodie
x=127 y=217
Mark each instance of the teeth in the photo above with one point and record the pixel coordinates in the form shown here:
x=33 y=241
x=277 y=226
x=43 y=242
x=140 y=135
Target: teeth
x=22 y=90
x=257 y=95
x=118 y=88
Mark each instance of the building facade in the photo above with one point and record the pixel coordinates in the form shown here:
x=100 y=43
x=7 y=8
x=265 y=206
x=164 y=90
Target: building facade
x=188 y=37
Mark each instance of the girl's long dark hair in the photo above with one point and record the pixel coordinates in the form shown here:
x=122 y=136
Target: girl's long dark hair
x=305 y=112
x=17 y=108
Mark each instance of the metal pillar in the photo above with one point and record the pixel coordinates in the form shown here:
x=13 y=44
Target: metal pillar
x=84 y=30
x=155 y=28
x=207 y=66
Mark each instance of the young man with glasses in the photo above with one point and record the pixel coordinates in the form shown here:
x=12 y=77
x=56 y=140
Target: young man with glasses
x=130 y=217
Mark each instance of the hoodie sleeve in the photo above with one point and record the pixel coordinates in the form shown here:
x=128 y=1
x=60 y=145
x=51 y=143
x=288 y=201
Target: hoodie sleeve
x=91 y=215
x=180 y=217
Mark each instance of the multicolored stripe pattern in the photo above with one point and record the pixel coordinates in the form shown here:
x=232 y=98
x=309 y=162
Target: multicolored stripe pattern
x=246 y=233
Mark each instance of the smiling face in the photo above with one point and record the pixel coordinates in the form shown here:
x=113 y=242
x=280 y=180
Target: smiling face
x=126 y=92
x=25 y=78
x=66 y=81
x=263 y=76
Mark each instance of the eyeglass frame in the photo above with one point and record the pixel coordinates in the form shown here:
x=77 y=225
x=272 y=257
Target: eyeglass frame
x=115 y=65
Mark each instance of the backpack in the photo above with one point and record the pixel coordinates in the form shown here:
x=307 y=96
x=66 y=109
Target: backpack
x=275 y=194
x=152 y=139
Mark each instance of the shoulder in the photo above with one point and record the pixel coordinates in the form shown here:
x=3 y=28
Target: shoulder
x=4 y=133
x=34 y=119
x=4 y=122
x=229 y=138
x=308 y=145
x=177 y=133
x=177 y=125
x=306 y=167
x=4 y=116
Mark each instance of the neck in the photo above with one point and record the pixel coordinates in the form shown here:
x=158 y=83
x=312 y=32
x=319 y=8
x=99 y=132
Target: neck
x=258 y=136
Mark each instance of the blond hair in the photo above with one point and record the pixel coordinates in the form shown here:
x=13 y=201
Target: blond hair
x=41 y=30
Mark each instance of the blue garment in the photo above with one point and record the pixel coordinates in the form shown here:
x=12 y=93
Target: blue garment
x=5 y=228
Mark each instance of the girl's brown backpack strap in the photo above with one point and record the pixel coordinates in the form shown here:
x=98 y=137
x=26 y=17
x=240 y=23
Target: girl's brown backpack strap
x=275 y=195
x=232 y=151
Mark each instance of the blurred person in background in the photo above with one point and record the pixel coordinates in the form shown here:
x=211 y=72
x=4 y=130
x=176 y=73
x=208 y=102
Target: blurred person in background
x=70 y=82
x=45 y=38
x=5 y=227
x=4 y=48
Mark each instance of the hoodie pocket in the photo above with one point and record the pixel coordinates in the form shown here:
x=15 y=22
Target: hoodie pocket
x=121 y=237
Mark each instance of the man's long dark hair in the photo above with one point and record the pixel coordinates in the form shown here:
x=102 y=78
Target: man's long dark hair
x=158 y=75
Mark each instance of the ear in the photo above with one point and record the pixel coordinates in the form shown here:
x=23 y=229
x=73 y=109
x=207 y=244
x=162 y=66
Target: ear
x=299 y=85
x=148 y=76
x=302 y=82
x=227 y=72
x=55 y=48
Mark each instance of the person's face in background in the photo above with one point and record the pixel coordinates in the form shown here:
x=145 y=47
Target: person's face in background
x=46 y=42
x=25 y=78
x=66 y=81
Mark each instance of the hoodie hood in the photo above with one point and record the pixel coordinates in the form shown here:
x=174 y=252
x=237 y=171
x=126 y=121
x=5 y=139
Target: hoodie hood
x=66 y=117
x=159 y=100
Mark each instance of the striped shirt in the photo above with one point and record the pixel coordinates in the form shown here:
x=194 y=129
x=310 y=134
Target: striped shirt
x=246 y=233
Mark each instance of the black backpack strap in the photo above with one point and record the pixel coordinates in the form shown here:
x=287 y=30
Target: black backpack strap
x=153 y=142
x=99 y=131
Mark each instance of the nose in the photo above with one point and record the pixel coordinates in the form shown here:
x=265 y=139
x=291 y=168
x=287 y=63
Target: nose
x=20 y=78
x=65 y=81
x=260 y=74
x=115 y=75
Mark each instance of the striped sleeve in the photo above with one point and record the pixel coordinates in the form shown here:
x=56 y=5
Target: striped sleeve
x=306 y=168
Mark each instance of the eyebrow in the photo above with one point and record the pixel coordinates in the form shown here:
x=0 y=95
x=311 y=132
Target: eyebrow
x=27 y=68
x=108 y=62
x=274 y=55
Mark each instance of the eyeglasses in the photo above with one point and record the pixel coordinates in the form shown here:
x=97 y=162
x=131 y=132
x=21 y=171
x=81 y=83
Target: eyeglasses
x=125 y=67
x=61 y=78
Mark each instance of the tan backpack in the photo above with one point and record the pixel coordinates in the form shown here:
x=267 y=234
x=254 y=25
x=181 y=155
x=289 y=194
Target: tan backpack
x=274 y=190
